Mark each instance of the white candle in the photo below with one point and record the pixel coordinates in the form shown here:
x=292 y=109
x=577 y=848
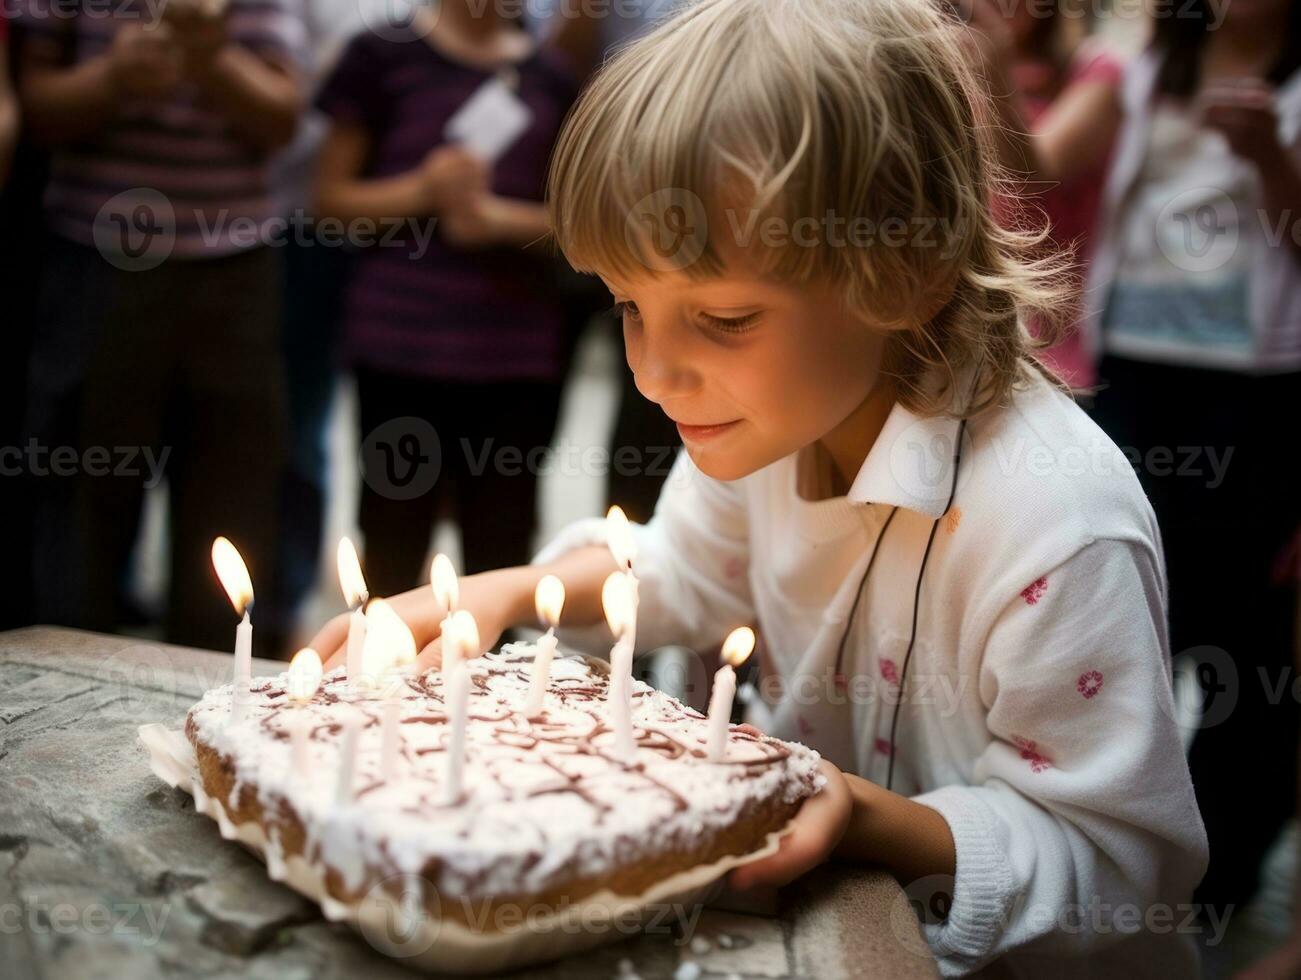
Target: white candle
x=623 y=546
x=617 y=602
x=390 y=727
x=300 y=734
x=456 y=694
x=353 y=584
x=233 y=575
x=347 y=760
x=737 y=646
x=447 y=592
x=549 y=600
x=456 y=687
x=356 y=645
x=621 y=694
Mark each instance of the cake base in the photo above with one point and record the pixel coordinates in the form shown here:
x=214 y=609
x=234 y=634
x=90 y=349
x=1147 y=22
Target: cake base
x=440 y=937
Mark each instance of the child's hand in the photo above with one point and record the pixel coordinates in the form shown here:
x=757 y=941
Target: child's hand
x=474 y=222
x=450 y=175
x=200 y=33
x=815 y=833
x=490 y=597
x=989 y=38
x=1244 y=112
x=145 y=61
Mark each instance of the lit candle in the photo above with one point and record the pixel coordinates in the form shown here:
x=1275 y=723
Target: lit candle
x=456 y=695
x=736 y=648
x=234 y=578
x=464 y=643
x=390 y=726
x=353 y=584
x=617 y=602
x=304 y=676
x=347 y=759
x=623 y=546
x=549 y=600
x=389 y=647
x=447 y=592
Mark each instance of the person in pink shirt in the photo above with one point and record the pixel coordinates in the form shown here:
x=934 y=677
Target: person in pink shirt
x=1064 y=90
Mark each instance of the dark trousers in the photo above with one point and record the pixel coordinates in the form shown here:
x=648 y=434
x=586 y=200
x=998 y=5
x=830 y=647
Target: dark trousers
x=314 y=277
x=471 y=451
x=176 y=369
x=1233 y=589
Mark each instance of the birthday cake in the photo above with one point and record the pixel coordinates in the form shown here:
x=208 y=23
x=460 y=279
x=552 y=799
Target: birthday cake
x=547 y=812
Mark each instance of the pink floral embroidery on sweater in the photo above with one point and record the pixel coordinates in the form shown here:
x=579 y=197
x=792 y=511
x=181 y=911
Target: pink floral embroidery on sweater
x=1030 y=752
x=883 y=746
x=1033 y=592
x=734 y=567
x=804 y=726
x=1090 y=683
x=889 y=670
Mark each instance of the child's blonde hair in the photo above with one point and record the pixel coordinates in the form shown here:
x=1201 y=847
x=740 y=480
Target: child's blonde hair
x=864 y=111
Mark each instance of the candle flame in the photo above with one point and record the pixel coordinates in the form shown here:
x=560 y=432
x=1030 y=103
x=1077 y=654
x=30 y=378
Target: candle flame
x=304 y=674
x=738 y=646
x=616 y=601
x=619 y=537
x=351 y=580
x=389 y=642
x=466 y=633
x=442 y=576
x=232 y=573
x=549 y=599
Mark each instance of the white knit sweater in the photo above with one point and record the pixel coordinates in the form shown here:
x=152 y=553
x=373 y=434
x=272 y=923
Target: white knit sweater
x=1037 y=716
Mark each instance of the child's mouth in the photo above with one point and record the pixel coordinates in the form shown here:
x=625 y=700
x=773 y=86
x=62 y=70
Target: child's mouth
x=704 y=433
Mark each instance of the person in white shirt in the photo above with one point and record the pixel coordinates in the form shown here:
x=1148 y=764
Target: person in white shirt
x=957 y=578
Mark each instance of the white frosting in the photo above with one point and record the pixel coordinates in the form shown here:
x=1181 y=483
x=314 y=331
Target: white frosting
x=530 y=817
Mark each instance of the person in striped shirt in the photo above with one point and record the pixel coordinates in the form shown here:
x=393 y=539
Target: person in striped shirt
x=159 y=310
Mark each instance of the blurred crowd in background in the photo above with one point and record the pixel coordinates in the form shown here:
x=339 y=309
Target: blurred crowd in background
x=216 y=214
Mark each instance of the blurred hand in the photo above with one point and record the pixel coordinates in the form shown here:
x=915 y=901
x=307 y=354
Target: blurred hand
x=487 y=596
x=450 y=175
x=815 y=833
x=200 y=32
x=1243 y=110
x=145 y=62
x=474 y=222
x=988 y=38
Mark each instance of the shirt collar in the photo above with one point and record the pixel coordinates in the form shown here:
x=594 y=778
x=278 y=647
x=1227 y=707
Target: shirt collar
x=911 y=463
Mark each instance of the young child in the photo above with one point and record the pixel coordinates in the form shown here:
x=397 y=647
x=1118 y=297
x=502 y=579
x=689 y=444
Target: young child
x=956 y=573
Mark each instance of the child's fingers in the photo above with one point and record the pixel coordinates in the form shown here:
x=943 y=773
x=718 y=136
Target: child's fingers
x=431 y=657
x=748 y=729
x=330 y=640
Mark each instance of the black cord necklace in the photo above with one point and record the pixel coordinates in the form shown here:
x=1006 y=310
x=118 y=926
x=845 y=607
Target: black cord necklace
x=917 y=592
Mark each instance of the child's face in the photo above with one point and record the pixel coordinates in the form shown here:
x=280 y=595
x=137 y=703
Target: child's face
x=751 y=370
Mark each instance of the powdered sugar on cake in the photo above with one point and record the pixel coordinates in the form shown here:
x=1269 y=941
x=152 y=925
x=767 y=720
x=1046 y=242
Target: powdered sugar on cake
x=545 y=801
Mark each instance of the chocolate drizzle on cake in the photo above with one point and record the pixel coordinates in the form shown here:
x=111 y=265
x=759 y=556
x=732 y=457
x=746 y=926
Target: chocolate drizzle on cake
x=545 y=797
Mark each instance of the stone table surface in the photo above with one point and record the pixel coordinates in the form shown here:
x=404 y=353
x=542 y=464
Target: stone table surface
x=107 y=872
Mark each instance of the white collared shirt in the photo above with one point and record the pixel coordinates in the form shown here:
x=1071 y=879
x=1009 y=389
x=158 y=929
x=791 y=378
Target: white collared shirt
x=1038 y=717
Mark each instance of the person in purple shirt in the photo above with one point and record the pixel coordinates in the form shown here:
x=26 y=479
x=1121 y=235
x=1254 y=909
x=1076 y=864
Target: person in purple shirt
x=452 y=326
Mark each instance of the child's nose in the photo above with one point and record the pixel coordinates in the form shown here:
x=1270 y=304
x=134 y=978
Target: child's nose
x=660 y=365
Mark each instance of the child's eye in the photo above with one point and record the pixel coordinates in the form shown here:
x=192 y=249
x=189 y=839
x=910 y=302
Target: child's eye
x=739 y=324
